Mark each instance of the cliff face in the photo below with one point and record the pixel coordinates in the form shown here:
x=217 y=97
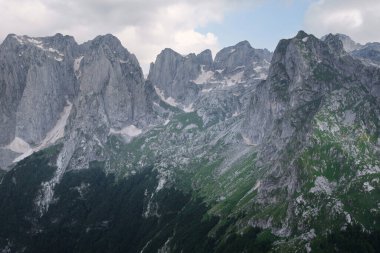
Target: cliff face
x=303 y=70
x=181 y=79
x=99 y=84
x=287 y=142
x=35 y=83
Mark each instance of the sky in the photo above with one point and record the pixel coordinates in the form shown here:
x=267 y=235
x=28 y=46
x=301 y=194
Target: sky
x=145 y=27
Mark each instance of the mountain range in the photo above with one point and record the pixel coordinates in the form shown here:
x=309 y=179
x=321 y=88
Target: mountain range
x=250 y=151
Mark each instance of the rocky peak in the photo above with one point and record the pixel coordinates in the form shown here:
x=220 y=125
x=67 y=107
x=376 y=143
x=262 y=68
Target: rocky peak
x=335 y=43
x=109 y=46
x=179 y=79
x=34 y=77
x=171 y=75
x=301 y=34
x=164 y=68
x=205 y=58
x=11 y=41
x=302 y=70
x=229 y=58
x=348 y=44
x=99 y=84
x=108 y=39
x=243 y=58
x=369 y=54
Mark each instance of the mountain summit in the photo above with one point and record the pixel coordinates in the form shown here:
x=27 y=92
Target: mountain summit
x=251 y=152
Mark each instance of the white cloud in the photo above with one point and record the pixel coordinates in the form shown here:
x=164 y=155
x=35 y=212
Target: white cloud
x=358 y=19
x=144 y=27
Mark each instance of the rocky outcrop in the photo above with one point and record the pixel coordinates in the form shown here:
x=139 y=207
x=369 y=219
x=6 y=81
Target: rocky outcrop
x=369 y=54
x=111 y=97
x=35 y=84
x=172 y=73
x=242 y=57
x=348 y=44
x=302 y=70
x=44 y=80
x=179 y=80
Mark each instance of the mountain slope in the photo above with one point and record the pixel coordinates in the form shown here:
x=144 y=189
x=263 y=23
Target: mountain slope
x=204 y=154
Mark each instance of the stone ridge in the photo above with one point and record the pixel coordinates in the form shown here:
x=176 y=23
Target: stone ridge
x=100 y=80
x=182 y=78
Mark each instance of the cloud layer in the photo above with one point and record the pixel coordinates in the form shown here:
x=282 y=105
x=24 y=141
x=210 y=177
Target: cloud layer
x=358 y=19
x=144 y=27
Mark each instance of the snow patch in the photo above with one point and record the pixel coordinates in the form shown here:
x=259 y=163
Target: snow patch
x=204 y=76
x=257 y=185
x=76 y=66
x=206 y=90
x=18 y=145
x=57 y=55
x=260 y=72
x=130 y=131
x=56 y=133
x=234 y=79
x=232 y=50
x=50 y=49
x=161 y=184
x=305 y=39
x=348 y=218
x=188 y=108
x=36 y=42
x=191 y=126
x=19 y=39
x=171 y=101
x=58 y=130
x=247 y=141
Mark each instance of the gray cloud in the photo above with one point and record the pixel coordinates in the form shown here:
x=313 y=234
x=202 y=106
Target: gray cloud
x=358 y=19
x=144 y=27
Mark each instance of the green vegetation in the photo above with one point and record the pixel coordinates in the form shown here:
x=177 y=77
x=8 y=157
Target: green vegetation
x=324 y=73
x=189 y=118
x=18 y=190
x=93 y=212
x=253 y=240
x=350 y=240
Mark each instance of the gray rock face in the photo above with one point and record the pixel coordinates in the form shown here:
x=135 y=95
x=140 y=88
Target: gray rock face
x=182 y=78
x=253 y=133
x=44 y=80
x=172 y=74
x=241 y=56
x=111 y=72
x=35 y=84
x=369 y=54
x=304 y=70
x=111 y=96
x=348 y=44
